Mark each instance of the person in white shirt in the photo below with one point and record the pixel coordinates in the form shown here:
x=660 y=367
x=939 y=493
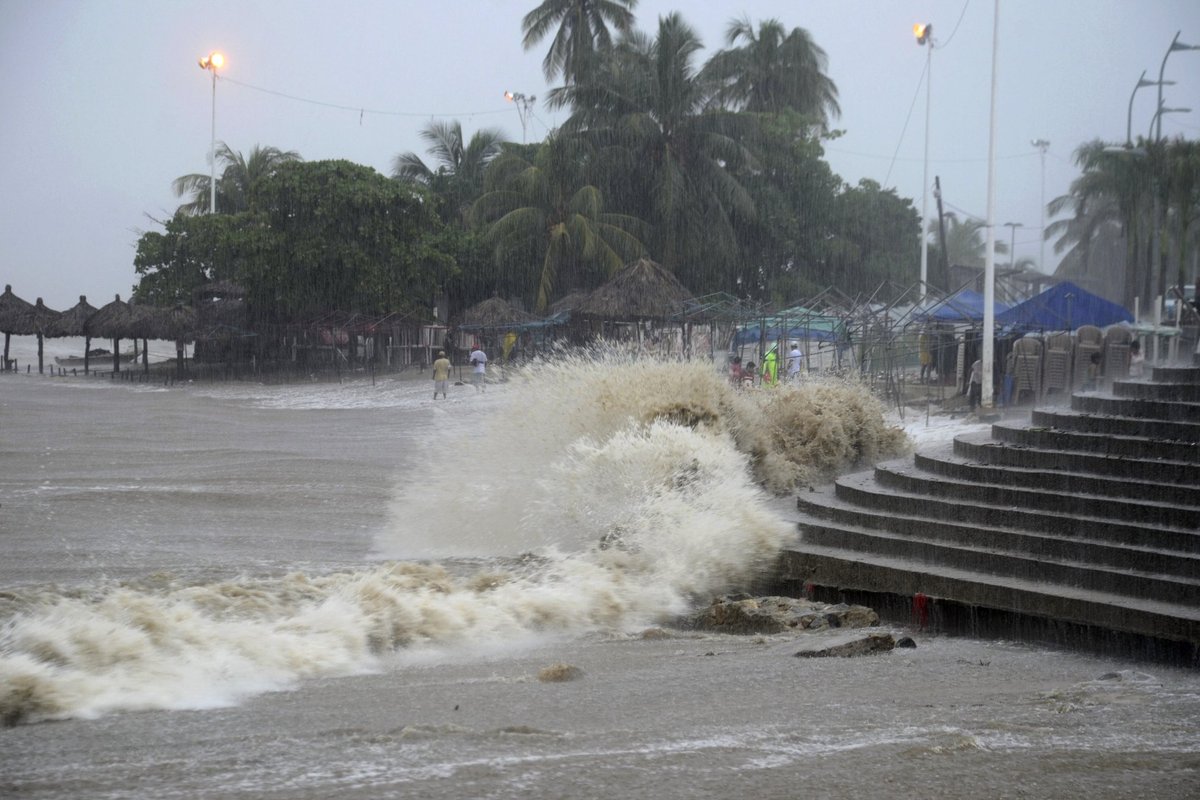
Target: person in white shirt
x=795 y=360
x=479 y=362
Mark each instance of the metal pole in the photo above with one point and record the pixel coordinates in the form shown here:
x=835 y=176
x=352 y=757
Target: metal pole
x=1161 y=70
x=212 y=150
x=925 y=175
x=989 y=278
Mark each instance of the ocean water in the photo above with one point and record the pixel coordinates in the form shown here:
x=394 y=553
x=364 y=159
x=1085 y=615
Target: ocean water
x=349 y=589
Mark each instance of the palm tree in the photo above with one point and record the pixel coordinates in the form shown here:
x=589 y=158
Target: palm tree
x=538 y=212
x=582 y=30
x=668 y=156
x=775 y=69
x=1110 y=197
x=238 y=174
x=459 y=166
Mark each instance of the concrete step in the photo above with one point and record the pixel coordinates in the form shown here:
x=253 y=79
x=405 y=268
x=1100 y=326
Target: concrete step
x=1175 y=374
x=943 y=460
x=1066 y=573
x=983 y=448
x=861 y=489
x=1134 y=446
x=856 y=572
x=1083 y=422
x=1167 y=553
x=1096 y=403
x=1146 y=390
x=906 y=476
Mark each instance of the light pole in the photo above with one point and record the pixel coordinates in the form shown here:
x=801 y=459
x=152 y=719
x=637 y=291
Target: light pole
x=523 y=104
x=1012 y=242
x=1175 y=45
x=923 y=31
x=989 y=269
x=1042 y=145
x=1141 y=84
x=213 y=62
x=1157 y=118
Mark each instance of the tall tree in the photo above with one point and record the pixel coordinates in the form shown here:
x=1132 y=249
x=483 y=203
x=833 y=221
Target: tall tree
x=583 y=29
x=538 y=212
x=457 y=175
x=667 y=157
x=773 y=69
x=237 y=174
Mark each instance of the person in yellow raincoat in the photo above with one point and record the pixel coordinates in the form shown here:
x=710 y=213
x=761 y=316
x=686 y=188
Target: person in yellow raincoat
x=770 y=368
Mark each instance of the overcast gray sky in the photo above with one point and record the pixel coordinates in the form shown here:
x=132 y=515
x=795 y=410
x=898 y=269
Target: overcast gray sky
x=104 y=103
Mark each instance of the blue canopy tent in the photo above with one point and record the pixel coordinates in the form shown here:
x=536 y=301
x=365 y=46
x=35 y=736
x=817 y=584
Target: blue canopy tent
x=964 y=305
x=793 y=323
x=1063 y=308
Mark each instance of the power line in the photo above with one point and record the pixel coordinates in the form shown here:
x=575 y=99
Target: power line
x=932 y=160
x=361 y=111
x=961 y=14
x=911 y=106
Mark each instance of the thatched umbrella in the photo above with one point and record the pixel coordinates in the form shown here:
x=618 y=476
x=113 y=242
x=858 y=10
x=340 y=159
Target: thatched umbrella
x=494 y=313
x=176 y=324
x=33 y=321
x=10 y=307
x=568 y=302
x=73 y=322
x=641 y=290
x=114 y=321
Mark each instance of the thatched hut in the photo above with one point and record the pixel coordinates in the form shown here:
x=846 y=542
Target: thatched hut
x=642 y=298
x=114 y=321
x=11 y=307
x=176 y=324
x=74 y=322
x=33 y=321
x=492 y=321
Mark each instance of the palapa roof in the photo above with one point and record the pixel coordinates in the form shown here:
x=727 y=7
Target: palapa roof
x=31 y=320
x=494 y=313
x=568 y=302
x=640 y=290
x=113 y=321
x=73 y=321
x=177 y=323
x=10 y=307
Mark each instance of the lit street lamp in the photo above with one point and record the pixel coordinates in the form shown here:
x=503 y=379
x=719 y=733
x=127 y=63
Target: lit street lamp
x=923 y=31
x=523 y=104
x=213 y=62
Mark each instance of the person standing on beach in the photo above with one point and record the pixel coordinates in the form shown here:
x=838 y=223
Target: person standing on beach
x=795 y=361
x=479 y=373
x=441 y=374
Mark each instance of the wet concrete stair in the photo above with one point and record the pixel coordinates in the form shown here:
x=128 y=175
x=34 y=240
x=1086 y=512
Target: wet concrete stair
x=1079 y=525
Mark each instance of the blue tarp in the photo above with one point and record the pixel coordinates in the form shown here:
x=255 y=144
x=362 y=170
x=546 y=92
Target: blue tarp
x=964 y=305
x=1063 y=308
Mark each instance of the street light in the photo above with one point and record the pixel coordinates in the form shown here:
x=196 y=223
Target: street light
x=1176 y=45
x=1043 y=145
x=1141 y=84
x=523 y=104
x=213 y=62
x=923 y=32
x=1158 y=118
x=1012 y=242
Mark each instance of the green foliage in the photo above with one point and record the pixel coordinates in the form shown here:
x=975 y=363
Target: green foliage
x=318 y=236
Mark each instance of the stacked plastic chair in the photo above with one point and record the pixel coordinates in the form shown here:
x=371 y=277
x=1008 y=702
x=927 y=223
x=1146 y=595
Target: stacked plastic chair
x=1088 y=340
x=1027 y=368
x=1116 y=354
x=1056 y=365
